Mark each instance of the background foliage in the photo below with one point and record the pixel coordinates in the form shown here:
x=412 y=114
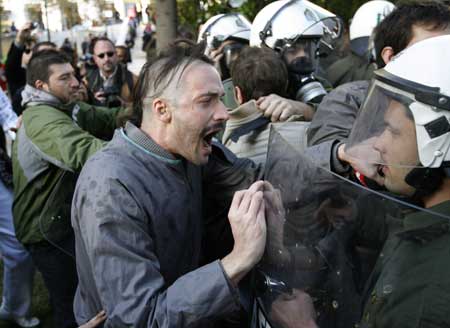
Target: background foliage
x=193 y=13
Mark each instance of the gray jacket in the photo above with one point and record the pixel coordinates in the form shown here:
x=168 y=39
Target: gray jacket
x=137 y=217
x=333 y=122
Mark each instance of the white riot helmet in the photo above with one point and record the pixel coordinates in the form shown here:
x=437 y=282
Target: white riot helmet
x=223 y=27
x=366 y=18
x=286 y=21
x=415 y=81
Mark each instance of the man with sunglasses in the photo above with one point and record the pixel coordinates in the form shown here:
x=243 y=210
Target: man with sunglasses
x=110 y=83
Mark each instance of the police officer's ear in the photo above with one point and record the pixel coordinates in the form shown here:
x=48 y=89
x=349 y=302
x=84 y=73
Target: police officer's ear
x=238 y=95
x=161 y=111
x=387 y=53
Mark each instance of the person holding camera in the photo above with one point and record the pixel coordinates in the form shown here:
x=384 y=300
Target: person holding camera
x=110 y=84
x=14 y=70
x=19 y=55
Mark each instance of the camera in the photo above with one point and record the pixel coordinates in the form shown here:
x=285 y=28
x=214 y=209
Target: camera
x=109 y=91
x=112 y=96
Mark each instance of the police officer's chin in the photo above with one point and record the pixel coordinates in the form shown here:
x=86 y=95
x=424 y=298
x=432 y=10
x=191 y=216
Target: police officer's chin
x=397 y=184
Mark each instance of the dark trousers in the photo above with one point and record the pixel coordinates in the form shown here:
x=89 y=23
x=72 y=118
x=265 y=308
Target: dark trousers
x=60 y=277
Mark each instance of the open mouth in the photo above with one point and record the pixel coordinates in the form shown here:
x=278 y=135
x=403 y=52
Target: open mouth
x=207 y=139
x=380 y=170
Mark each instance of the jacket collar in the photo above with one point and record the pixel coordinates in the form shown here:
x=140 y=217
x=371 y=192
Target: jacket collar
x=138 y=138
x=239 y=116
x=427 y=224
x=33 y=97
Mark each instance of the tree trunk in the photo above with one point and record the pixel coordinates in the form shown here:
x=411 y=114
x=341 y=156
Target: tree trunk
x=166 y=23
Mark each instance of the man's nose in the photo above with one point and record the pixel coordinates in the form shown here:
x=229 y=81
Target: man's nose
x=221 y=113
x=74 y=82
x=378 y=143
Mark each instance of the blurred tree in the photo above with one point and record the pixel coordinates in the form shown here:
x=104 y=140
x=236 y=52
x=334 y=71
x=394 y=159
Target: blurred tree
x=343 y=8
x=166 y=22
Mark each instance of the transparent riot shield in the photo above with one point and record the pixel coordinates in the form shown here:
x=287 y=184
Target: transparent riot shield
x=325 y=234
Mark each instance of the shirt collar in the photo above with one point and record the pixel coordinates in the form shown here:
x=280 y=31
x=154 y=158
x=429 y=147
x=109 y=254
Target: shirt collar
x=104 y=78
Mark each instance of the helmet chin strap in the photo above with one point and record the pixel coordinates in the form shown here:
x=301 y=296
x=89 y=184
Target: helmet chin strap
x=426 y=181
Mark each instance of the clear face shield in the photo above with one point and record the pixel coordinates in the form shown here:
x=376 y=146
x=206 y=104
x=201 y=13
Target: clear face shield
x=231 y=51
x=332 y=38
x=314 y=265
x=383 y=142
x=229 y=47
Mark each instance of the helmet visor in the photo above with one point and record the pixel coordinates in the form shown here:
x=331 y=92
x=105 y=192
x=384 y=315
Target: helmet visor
x=231 y=52
x=383 y=142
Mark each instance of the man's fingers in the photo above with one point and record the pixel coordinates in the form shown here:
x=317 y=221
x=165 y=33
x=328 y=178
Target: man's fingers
x=276 y=114
x=257 y=186
x=246 y=201
x=255 y=204
x=263 y=105
x=242 y=199
x=237 y=198
x=95 y=321
x=285 y=115
x=273 y=106
x=268 y=186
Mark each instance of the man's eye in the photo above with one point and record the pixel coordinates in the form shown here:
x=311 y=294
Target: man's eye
x=206 y=100
x=393 y=131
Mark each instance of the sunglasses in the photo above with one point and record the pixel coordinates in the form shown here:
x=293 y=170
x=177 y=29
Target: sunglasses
x=109 y=54
x=27 y=51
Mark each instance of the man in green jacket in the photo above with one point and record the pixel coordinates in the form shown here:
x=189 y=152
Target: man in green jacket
x=57 y=136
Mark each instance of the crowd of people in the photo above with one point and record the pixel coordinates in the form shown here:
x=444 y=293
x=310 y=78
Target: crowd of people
x=286 y=172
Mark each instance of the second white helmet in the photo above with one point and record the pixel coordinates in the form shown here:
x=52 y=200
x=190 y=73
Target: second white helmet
x=286 y=21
